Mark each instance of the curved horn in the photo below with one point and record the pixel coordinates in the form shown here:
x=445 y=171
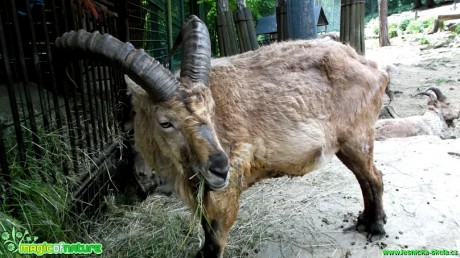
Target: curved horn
x=196 y=57
x=143 y=69
x=431 y=95
x=438 y=92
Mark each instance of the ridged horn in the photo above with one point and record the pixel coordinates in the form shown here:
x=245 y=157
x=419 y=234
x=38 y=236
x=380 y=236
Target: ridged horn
x=196 y=56
x=438 y=92
x=143 y=69
x=431 y=95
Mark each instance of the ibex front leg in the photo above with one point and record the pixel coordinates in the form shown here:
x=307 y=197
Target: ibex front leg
x=220 y=211
x=221 y=208
x=357 y=155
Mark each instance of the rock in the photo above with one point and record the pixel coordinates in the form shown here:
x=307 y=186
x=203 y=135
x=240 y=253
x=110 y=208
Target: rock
x=442 y=43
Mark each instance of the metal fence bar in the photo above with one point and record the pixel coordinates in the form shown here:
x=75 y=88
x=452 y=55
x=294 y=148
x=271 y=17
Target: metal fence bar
x=90 y=91
x=4 y=170
x=57 y=110
x=12 y=95
x=98 y=98
x=45 y=110
x=69 y=121
x=25 y=81
x=102 y=102
x=113 y=94
x=80 y=104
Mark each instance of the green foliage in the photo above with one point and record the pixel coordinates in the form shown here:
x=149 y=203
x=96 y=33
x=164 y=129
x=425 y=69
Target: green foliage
x=400 y=9
x=423 y=41
x=414 y=27
x=393 y=33
x=393 y=30
x=39 y=198
x=440 y=81
x=369 y=17
x=393 y=26
x=404 y=23
x=457 y=30
x=375 y=30
x=261 y=8
x=428 y=23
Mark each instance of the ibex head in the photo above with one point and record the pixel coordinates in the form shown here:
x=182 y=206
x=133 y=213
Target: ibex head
x=174 y=116
x=438 y=102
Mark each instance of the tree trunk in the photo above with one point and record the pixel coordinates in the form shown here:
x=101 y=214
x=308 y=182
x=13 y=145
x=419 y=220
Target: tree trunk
x=429 y=3
x=417 y=4
x=241 y=4
x=222 y=6
x=384 y=40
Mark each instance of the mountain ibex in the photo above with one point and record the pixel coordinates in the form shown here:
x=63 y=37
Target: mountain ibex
x=437 y=118
x=284 y=109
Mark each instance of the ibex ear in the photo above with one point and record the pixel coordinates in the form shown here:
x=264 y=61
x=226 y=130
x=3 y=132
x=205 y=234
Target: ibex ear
x=134 y=88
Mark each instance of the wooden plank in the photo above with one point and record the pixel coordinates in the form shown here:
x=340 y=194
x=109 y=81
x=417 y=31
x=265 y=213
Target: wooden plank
x=282 y=25
x=342 y=24
x=448 y=17
x=220 y=34
x=239 y=32
x=245 y=42
x=251 y=29
x=231 y=33
x=352 y=25
x=346 y=9
x=361 y=26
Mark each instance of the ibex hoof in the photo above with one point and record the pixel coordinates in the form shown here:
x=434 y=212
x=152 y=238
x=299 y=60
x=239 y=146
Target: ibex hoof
x=374 y=229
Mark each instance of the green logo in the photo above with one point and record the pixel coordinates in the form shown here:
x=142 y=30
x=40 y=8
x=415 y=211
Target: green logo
x=24 y=243
x=12 y=240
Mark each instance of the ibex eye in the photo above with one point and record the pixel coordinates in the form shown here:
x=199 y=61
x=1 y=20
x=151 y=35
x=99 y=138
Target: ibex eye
x=166 y=125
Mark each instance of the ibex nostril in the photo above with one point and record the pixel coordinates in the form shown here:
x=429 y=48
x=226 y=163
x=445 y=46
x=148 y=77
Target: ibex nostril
x=218 y=164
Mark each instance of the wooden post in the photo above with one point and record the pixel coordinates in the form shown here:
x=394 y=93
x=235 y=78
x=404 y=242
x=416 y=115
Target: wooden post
x=251 y=29
x=220 y=34
x=231 y=33
x=281 y=20
x=242 y=29
x=226 y=29
x=245 y=27
x=301 y=19
x=352 y=24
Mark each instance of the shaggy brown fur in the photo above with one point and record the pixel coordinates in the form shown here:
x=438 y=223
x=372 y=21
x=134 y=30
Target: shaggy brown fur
x=284 y=109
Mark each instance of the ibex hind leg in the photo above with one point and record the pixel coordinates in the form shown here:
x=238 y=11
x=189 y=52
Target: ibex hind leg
x=358 y=157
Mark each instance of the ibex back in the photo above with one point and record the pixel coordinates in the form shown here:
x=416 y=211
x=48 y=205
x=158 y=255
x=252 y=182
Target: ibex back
x=284 y=109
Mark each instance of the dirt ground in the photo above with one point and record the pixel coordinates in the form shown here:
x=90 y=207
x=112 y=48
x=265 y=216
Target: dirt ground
x=305 y=216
